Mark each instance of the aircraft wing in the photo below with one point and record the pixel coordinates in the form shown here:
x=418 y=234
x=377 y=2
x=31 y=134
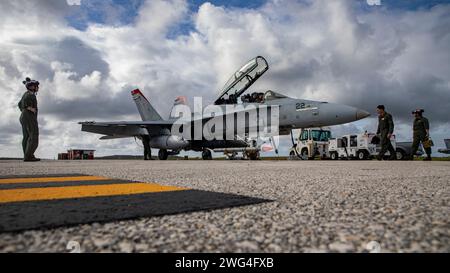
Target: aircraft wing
x=129 y=123
x=113 y=137
x=120 y=129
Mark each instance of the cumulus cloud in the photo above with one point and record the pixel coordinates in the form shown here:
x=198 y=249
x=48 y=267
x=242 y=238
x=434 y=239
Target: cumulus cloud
x=321 y=50
x=73 y=2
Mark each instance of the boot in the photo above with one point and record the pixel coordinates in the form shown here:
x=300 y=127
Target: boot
x=32 y=159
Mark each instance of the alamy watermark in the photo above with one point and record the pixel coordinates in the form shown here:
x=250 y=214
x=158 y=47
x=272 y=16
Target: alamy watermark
x=224 y=122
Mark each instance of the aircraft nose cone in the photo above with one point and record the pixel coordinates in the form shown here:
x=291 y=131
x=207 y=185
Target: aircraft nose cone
x=360 y=114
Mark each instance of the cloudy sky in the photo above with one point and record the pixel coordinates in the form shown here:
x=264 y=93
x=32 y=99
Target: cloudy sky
x=89 y=54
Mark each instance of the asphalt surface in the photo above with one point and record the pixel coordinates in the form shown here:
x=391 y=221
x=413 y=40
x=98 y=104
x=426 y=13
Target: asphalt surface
x=50 y=202
x=319 y=206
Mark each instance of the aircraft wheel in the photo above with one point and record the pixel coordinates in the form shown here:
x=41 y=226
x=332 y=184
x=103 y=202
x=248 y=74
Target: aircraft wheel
x=232 y=156
x=162 y=154
x=254 y=156
x=206 y=154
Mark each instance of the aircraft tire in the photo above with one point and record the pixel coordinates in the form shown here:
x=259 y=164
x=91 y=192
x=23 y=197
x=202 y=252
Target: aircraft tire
x=206 y=154
x=162 y=154
x=254 y=156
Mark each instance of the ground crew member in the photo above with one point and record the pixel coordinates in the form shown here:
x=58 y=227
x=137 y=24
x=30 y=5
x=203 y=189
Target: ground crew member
x=28 y=120
x=421 y=133
x=147 y=149
x=385 y=131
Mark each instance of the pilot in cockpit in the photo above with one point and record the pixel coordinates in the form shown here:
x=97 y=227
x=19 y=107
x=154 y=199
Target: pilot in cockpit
x=260 y=98
x=220 y=101
x=255 y=97
x=246 y=98
x=232 y=99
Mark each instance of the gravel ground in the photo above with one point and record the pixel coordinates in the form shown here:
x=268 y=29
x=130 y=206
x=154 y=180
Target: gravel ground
x=319 y=206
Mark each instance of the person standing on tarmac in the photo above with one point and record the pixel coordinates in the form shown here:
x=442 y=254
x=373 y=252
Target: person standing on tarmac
x=147 y=148
x=28 y=120
x=385 y=131
x=421 y=134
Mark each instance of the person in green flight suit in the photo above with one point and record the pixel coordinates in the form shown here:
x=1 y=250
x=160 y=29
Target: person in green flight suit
x=385 y=131
x=421 y=133
x=147 y=148
x=28 y=120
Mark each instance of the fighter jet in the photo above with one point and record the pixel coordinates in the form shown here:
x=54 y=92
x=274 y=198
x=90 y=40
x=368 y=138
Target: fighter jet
x=447 y=145
x=292 y=113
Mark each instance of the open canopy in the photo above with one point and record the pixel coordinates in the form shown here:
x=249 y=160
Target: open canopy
x=242 y=79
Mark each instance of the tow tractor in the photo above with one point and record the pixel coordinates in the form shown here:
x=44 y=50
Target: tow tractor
x=359 y=146
x=311 y=142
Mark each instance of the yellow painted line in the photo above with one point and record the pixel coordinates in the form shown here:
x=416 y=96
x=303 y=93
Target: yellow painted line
x=51 y=179
x=34 y=194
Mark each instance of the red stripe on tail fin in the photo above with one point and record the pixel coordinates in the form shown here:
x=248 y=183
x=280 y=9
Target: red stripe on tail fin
x=138 y=92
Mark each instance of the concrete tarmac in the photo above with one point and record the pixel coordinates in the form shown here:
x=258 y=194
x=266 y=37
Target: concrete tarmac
x=318 y=206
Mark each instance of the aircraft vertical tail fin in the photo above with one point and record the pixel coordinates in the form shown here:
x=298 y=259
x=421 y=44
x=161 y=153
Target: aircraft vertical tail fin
x=447 y=143
x=144 y=107
x=180 y=100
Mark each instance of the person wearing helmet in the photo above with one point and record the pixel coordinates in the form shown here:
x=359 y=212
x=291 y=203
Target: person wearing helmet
x=421 y=133
x=28 y=120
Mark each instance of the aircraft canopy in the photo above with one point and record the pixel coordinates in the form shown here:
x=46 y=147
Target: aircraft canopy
x=271 y=95
x=242 y=79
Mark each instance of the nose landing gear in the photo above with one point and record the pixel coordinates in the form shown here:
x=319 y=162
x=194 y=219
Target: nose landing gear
x=206 y=154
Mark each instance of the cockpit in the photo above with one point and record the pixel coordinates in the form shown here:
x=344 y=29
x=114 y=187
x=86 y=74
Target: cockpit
x=261 y=97
x=241 y=80
x=271 y=95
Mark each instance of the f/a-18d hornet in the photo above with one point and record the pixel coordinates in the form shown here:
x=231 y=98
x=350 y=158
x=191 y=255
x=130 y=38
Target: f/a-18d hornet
x=285 y=113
